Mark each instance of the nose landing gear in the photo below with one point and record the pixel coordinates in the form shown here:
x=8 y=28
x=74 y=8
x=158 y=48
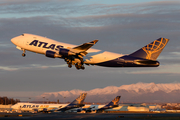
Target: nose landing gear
x=23 y=54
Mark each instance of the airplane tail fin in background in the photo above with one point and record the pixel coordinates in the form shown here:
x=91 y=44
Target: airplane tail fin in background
x=152 y=50
x=112 y=104
x=80 y=99
x=114 y=101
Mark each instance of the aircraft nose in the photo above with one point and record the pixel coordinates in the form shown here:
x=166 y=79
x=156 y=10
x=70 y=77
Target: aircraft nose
x=14 y=40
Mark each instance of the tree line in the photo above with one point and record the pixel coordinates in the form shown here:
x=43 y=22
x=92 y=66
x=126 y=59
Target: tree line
x=6 y=101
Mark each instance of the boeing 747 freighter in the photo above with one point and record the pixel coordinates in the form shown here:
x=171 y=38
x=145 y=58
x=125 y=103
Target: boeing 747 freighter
x=82 y=54
x=78 y=102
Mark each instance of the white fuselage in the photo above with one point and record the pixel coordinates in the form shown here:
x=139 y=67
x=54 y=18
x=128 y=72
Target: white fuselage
x=94 y=107
x=43 y=44
x=34 y=106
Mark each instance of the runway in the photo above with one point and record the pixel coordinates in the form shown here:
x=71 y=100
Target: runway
x=90 y=116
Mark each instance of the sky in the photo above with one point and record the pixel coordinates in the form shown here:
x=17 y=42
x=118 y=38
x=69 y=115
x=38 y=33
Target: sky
x=120 y=26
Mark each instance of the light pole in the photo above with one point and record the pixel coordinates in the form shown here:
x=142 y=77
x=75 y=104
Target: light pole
x=29 y=99
x=43 y=100
x=64 y=99
x=5 y=100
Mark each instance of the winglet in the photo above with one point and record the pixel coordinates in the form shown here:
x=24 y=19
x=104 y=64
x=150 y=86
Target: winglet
x=85 y=46
x=94 y=41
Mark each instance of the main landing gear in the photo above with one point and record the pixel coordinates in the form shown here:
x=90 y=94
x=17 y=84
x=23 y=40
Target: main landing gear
x=69 y=64
x=79 y=66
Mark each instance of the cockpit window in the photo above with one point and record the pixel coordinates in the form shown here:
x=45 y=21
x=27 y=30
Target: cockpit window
x=22 y=34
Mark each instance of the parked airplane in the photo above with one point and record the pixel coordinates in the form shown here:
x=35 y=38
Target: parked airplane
x=100 y=108
x=78 y=102
x=80 y=55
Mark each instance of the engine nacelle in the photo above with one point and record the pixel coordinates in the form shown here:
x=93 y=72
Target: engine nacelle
x=78 y=110
x=65 y=52
x=52 y=54
x=44 y=109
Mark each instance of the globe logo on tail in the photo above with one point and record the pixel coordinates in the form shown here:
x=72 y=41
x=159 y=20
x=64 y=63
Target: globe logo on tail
x=116 y=100
x=81 y=98
x=155 y=48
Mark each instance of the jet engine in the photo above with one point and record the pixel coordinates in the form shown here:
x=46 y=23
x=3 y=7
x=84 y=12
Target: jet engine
x=65 y=52
x=52 y=54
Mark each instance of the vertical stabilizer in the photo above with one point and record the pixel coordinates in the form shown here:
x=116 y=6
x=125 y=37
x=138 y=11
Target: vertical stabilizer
x=114 y=101
x=80 y=99
x=78 y=102
x=152 y=50
x=112 y=104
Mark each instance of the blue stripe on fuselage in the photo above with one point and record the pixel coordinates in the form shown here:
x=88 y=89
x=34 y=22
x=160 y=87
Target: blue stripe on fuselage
x=129 y=61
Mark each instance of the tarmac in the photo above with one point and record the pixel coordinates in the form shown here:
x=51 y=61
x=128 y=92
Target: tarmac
x=89 y=116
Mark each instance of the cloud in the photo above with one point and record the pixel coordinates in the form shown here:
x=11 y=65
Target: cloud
x=173 y=69
x=5 y=45
x=22 y=95
x=72 y=8
x=8 y=68
x=21 y=8
x=122 y=28
x=175 y=53
x=32 y=66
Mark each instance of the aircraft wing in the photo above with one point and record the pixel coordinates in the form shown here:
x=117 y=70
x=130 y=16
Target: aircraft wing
x=73 y=56
x=84 y=47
